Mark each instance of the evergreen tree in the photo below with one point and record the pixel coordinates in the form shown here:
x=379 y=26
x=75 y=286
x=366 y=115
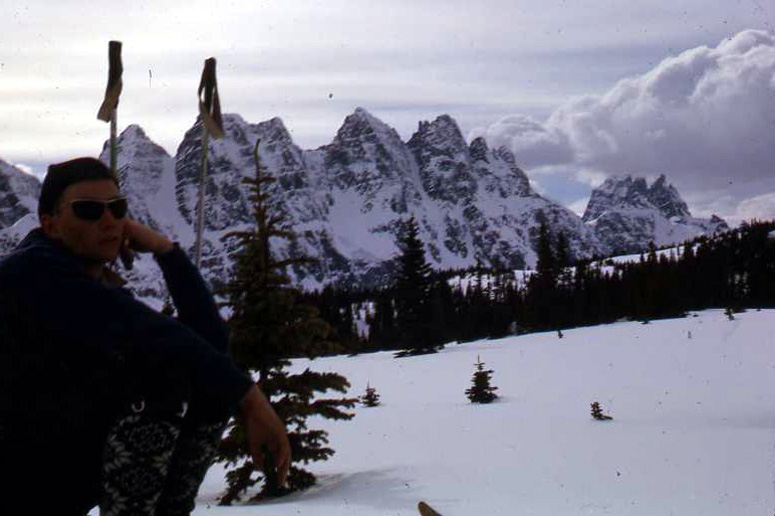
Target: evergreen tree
x=597 y=412
x=413 y=294
x=371 y=398
x=542 y=287
x=268 y=326
x=383 y=332
x=547 y=266
x=563 y=252
x=481 y=391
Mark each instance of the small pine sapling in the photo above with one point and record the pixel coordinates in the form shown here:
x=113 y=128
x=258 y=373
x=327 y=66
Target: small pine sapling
x=371 y=398
x=559 y=334
x=481 y=391
x=597 y=412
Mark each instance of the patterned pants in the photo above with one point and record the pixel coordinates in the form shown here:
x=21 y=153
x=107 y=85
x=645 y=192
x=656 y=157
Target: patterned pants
x=153 y=466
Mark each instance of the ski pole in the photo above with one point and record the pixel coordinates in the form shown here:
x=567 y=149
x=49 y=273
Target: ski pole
x=212 y=125
x=108 y=112
x=109 y=107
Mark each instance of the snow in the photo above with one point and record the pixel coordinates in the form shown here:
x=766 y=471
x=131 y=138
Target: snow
x=354 y=232
x=692 y=432
x=23 y=226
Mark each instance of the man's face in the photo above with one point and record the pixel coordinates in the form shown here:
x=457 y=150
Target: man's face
x=94 y=241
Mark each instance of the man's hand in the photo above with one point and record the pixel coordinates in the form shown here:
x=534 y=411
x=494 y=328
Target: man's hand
x=142 y=239
x=264 y=428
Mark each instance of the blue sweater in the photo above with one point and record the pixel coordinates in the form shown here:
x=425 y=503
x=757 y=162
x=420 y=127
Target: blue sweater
x=96 y=334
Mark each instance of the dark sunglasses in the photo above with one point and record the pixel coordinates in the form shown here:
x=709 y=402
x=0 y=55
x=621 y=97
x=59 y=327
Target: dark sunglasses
x=92 y=209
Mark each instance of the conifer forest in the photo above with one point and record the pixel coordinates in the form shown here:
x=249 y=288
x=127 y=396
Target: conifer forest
x=734 y=270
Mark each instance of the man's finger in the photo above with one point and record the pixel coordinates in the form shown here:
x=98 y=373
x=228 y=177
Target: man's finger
x=283 y=465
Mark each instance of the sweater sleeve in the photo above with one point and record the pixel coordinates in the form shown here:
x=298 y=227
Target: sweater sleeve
x=101 y=323
x=193 y=299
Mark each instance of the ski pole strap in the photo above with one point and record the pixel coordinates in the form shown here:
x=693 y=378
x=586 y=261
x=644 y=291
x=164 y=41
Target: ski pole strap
x=210 y=103
x=113 y=89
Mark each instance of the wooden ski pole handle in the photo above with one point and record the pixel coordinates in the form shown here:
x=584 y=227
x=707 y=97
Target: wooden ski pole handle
x=426 y=510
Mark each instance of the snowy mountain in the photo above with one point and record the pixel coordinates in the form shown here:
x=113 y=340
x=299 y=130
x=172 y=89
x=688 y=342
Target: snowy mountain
x=348 y=201
x=627 y=214
x=19 y=194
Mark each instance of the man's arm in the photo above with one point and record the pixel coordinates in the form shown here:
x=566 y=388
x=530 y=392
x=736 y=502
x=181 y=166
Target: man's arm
x=190 y=293
x=263 y=427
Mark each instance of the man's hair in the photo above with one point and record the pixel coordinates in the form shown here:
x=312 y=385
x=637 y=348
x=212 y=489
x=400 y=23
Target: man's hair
x=62 y=175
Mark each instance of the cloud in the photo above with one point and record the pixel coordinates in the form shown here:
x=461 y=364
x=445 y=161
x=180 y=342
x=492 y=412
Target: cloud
x=534 y=144
x=761 y=207
x=704 y=118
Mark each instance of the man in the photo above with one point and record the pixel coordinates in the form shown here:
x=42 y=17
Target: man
x=103 y=400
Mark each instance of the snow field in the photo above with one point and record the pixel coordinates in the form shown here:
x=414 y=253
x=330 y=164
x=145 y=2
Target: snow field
x=693 y=430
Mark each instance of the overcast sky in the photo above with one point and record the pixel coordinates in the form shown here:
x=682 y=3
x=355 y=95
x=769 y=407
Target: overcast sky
x=579 y=90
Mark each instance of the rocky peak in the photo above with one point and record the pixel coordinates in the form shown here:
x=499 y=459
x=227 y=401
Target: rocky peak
x=518 y=176
x=235 y=129
x=618 y=192
x=134 y=139
x=666 y=199
x=478 y=149
x=444 y=160
x=368 y=154
x=281 y=155
x=361 y=129
x=274 y=133
x=226 y=158
x=497 y=171
x=133 y=132
x=139 y=160
x=19 y=193
x=441 y=133
x=145 y=172
x=627 y=215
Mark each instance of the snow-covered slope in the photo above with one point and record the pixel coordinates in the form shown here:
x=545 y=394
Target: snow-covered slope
x=627 y=215
x=691 y=435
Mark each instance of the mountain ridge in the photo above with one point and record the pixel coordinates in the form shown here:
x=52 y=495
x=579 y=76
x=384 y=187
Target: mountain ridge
x=348 y=200
x=625 y=212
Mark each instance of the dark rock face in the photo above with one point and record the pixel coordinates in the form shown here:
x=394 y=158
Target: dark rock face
x=627 y=215
x=444 y=161
x=667 y=200
x=18 y=194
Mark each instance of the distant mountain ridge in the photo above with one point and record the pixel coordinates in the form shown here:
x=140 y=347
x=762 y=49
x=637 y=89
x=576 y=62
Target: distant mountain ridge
x=626 y=212
x=347 y=201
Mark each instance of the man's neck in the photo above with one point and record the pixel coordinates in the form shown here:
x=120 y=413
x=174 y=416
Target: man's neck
x=107 y=276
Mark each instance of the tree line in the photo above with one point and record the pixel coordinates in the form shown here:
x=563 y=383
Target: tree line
x=424 y=309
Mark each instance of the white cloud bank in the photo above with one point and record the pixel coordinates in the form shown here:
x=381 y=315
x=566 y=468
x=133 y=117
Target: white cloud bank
x=705 y=118
x=761 y=207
